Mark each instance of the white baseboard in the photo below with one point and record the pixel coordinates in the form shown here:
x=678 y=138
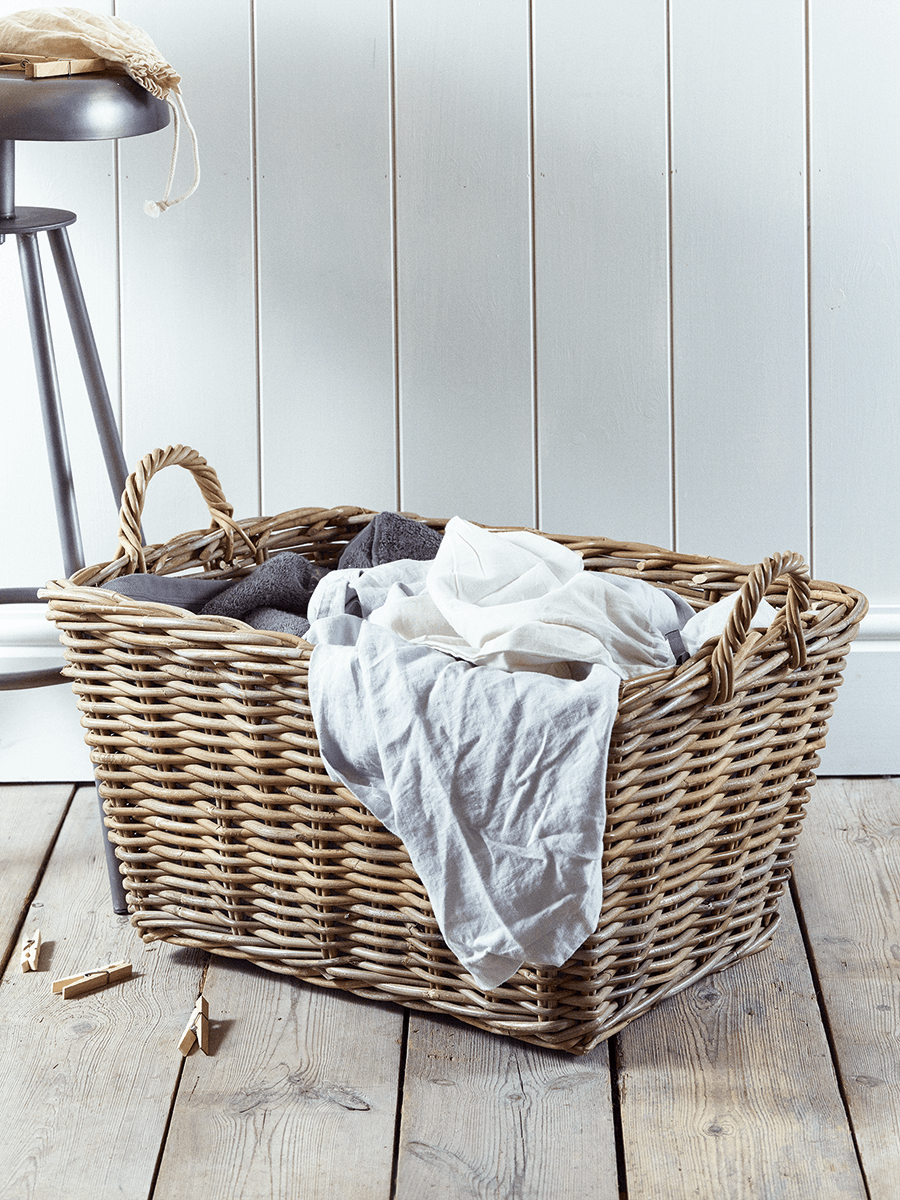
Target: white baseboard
x=864 y=733
x=41 y=739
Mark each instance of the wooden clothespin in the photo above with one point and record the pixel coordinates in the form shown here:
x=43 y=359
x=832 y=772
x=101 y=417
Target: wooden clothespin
x=30 y=952
x=40 y=66
x=90 y=981
x=197 y=1029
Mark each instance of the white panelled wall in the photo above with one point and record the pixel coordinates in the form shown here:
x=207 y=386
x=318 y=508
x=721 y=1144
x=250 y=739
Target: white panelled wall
x=621 y=267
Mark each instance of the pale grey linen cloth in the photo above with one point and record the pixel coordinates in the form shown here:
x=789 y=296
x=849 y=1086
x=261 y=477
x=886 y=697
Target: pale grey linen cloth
x=493 y=776
x=493 y=780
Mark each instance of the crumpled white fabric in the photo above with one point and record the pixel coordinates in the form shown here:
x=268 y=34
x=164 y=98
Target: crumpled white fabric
x=710 y=622
x=494 y=779
x=521 y=601
x=517 y=601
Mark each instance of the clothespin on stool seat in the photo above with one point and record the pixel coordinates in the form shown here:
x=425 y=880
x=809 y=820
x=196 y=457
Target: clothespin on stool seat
x=30 y=952
x=197 y=1029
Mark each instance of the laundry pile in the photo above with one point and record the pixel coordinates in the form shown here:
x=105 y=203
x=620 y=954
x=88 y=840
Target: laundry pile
x=464 y=689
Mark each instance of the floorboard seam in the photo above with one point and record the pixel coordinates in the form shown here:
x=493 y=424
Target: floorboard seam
x=826 y=1026
x=157 y=1166
x=28 y=897
x=617 y=1117
x=401 y=1078
x=176 y=1088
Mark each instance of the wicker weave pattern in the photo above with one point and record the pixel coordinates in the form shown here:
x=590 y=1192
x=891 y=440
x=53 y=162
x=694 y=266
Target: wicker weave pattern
x=232 y=838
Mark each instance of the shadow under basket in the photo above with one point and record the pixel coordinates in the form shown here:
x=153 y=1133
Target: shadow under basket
x=232 y=838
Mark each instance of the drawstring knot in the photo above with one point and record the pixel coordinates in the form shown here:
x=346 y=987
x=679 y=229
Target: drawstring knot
x=153 y=208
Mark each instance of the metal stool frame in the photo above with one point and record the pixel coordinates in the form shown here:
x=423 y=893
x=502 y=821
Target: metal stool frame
x=93 y=107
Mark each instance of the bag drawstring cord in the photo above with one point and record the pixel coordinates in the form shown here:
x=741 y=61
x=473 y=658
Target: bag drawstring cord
x=153 y=208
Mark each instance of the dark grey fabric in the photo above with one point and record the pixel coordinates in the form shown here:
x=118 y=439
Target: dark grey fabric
x=284 y=582
x=276 y=595
x=390 y=537
x=179 y=591
x=277 y=619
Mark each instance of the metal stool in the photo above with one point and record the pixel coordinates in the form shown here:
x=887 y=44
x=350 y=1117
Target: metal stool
x=65 y=109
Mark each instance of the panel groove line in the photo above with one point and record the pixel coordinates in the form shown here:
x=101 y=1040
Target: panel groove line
x=326 y=287
x=254 y=202
x=464 y=270
x=670 y=284
x=739 y=278
x=190 y=347
x=532 y=201
x=807 y=155
x=395 y=291
x=602 y=314
x=855 y=262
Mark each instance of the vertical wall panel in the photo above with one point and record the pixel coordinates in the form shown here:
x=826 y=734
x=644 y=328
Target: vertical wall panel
x=855 y=258
x=188 y=294
x=601 y=233
x=80 y=177
x=464 y=259
x=739 y=277
x=326 y=255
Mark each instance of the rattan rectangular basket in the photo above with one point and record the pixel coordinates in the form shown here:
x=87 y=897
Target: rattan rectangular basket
x=231 y=837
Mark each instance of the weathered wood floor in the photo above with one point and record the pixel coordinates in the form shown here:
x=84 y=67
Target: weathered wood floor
x=776 y=1080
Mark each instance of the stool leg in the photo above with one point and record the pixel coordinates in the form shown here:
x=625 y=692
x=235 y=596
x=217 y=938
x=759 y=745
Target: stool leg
x=7 y=179
x=116 y=886
x=104 y=418
x=51 y=407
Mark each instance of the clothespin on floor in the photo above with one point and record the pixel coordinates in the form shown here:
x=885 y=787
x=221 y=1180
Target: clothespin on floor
x=197 y=1029
x=90 y=981
x=30 y=952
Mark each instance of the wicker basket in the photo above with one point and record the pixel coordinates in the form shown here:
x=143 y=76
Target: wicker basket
x=232 y=838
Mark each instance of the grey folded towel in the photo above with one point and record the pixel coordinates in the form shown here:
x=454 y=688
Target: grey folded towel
x=178 y=590
x=277 y=619
x=389 y=537
x=284 y=583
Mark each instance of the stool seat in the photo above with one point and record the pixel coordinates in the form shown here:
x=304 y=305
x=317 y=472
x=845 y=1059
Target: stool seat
x=36 y=220
x=77 y=108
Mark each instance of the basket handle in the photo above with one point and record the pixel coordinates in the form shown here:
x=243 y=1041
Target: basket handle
x=754 y=589
x=131 y=544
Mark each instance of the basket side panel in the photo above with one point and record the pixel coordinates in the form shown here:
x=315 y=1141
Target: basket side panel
x=705 y=805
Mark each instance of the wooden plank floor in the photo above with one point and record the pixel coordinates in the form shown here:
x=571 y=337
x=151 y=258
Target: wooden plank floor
x=776 y=1080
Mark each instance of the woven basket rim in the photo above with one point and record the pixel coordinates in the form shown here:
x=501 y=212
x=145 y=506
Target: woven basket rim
x=84 y=586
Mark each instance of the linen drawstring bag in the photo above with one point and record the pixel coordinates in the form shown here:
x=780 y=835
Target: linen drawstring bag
x=74 y=33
